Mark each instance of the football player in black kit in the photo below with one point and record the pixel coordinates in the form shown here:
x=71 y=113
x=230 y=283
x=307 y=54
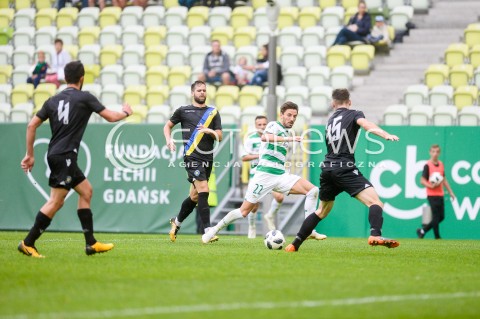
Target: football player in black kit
x=201 y=127
x=339 y=173
x=68 y=113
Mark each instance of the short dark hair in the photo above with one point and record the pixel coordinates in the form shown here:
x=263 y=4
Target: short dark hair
x=74 y=71
x=260 y=117
x=58 y=41
x=195 y=84
x=341 y=95
x=435 y=146
x=289 y=105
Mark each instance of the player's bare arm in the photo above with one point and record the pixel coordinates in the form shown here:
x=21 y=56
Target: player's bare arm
x=373 y=128
x=29 y=159
x=249 y=157
x=167 y=131
x=114 y=116
x=266 y=137
x=449 y=189
x=215 y=134
x=426 y=183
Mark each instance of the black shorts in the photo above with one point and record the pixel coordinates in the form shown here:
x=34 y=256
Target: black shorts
x=333 y=182
x=64 y=171
x=197 y=170
x=437 y=204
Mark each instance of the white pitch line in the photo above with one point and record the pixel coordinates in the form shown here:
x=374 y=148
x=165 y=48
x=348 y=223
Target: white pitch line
x=150 y=311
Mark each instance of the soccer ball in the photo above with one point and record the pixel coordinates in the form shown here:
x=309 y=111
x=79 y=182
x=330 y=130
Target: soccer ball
x=274 y=240
x=436 y=178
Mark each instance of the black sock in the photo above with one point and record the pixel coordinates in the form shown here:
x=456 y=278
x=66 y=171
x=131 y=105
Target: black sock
x=86 y=219
x=308 y=226
x=187 y=208
x=204 y=209
x=376 y=220
x=42 y=221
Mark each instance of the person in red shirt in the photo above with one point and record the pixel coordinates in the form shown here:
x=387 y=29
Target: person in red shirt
x=434 y=192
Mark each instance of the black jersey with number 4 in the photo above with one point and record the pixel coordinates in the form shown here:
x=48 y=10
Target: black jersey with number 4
x=341 y=135
x=189 y=116
x=68 y=113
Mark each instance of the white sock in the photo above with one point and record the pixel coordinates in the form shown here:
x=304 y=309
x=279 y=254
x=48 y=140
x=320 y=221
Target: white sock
x=227 y=220
x=274 y=207
x=252 y=217
x=177 y=222
x=311 y=201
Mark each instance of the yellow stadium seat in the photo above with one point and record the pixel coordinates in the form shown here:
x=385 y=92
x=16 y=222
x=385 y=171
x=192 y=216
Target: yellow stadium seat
x=109 y=16
x=338 y=55
x=465 y=96
x=222 y=34
x=179 y=75
x=288 y=17
x=110 y=54
x=211 y=93
x=456 y=54
x=241 y=16
x=6 y=17
x=21 y=93
x=197 y=16
x=72 y=50
x=250 y=95
x=139 y=109
x=472 y=34
x=155 y=55
x=349 y=4
x=361 y=57
x=67 y=17
x=43 y=4
x=258 y=4
x=135 y=94
x=45 y=17
x=156 y=75
x=475 y=56
x=309 y=17
x=154 y=35
x=5 y=73
x=436 y=74
x=349 y=12
x=461 y=75
x=157 y=95
x=226 y=95
x=244 y=36
x=42 y=93
x=92 y=72
x=22 y=4
x=88 y=35
x=327 y=3
x=170 y=3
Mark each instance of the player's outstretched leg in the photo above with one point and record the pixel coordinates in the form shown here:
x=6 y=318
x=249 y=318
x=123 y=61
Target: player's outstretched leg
x=188 y=205
x=269 y=217
x=252 y=225
x=310 y=206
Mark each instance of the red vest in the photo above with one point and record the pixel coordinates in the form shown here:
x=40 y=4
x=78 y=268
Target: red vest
x=437 y=191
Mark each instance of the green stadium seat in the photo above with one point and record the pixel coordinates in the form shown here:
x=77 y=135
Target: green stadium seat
x=5 y=35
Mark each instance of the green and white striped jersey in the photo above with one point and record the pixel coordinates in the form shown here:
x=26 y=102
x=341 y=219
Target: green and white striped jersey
x=273 y=154
x=252 y=146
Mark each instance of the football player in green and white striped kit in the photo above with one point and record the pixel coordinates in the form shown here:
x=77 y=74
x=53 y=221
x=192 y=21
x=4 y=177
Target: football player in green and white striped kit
x=270 y=172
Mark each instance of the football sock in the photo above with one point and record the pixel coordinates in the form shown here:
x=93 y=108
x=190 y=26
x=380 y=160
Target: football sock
x=311 y=201
x=204 y=209
x=228 y=219
x=274 y=207
x=186 y=209
x=41 y=223
x=252 y=217
x=308 y=226
x=376 y=220
x=86 y=219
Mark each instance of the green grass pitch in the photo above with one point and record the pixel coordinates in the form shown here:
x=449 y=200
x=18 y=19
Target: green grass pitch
x=146 y=276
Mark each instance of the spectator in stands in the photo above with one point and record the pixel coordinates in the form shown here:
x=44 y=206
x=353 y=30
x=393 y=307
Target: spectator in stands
x=39 y=70
x=61 y=3
x=358 y=27
x=61 y=57
x=216 y=67
x=261 y=68
x=240 y=72
x=379 y=32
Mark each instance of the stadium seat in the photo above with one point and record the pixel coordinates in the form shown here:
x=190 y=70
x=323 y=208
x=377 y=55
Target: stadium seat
x=180 y=95
x=170 y=3
x=21 y=93
x=241 y=16
x=263 y=36
x=111 y=74
x=226 y=95
x=110 y=54
x=248 y=115
x=395 y=115
x=291 y=56
x=341 y=77
x=89 y=54
x=67 y=17
x=362 y=57
x=21 y=113
x=158 y=114
x=332 y=17
x=309 y=16
x=313 y=36
x=175 y=16
x=260 y=18
x=338 y=55
x=49 y=51
x=134 y=75
x=133 y=55
x=24 y=18
x=289 y=36
x=88 y=17
x=468 y=116
x=220 y=16
x=45 y=36
x=399 y=17
x=472 y=34
x=177 y=55
x=279 y=92
x=68 y=35
x=436 y=74
x=441 y=95
x=250 y=95
x=297 y=94
x=461 y=75
x=179 y=75
x=131 y=16
x=222 y=34
x=92 y=71
x=197 y=55
x=284 y=3
x=23 y=55
x=5 y=35
x=331 y=34
x=196 y=71
x=444 y=115
x=349 y=3
x=250 y=52
x=288 y=17
x=157 y=95
x=135 y=94
x=456 y=54
x=231 y=114
x=349 y=12
x=154 y=35
x=303 y=119
x=45 y=17
x=5 y=73
x=199 y=36
x=197 y=16
x=110 y=35
x=475 y=56
x=6 y=52
x=155 y=54
x=177 y=35
x=211 y=93
x=420 y=115
x=317 y=76
x=244 y=36
x=476 y=76
x=88 y=35
x=109 y=16
x=5 y=91
x=5 y=109
x=42 y=92
x=112 y=94
x=464 y=96
x=72 y=50
x=156 y=75
x=133 y=34
x=153 y=16
x=319 y=99
x=23 y=36
x=415 y=95
x=374 y=6
x=392 y=4
x=20 y=74
x=294 y=76
x=6 y=17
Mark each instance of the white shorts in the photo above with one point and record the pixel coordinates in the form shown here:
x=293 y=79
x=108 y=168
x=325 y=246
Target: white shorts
x=263 y=183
